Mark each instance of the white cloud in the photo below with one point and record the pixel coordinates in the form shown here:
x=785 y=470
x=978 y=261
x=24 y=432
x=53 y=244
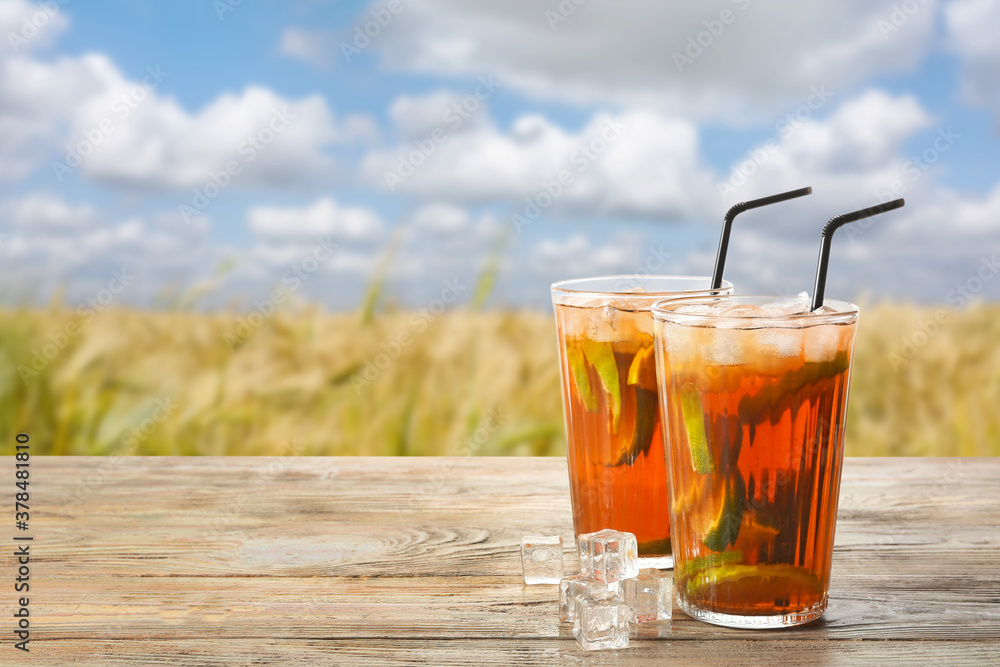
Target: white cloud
x=42 y=212
x=762 y=58
x=28 y=26
x=852 y=156
x=84 y=116
x=322 y=217
x=441 y=218
x=973 y=26
x=865 y=131
x=854 y=159
x=37 y=100
x=315 y=47
x=157 y=145
x=579 y=255
x=54 y=245
x=417 y=117
x=636 y=164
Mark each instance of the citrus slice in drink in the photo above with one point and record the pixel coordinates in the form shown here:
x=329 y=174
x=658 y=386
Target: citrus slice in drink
x=644 y=426
x=754 y=584
x=641 y=379
x=694 y=424
x=642 y=372
x=578 y=366
x=600 y=355
x=695 y=565
x=726 y=527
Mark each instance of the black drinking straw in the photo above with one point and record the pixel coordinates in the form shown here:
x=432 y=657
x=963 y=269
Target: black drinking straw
x=727 y=225
x=826 y=238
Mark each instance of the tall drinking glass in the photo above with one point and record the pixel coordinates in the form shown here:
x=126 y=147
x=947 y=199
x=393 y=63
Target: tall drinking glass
x=614 y=447
x=754 y=397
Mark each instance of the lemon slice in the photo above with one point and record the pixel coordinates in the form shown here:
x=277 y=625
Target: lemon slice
x=642 y=372
x=602 y=358
x=694 y=423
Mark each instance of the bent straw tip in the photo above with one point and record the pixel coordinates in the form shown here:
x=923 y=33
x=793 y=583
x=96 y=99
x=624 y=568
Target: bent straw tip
x=826 y=236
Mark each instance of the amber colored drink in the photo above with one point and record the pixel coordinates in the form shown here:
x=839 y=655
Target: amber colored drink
x=615 y=454
x=754 y=405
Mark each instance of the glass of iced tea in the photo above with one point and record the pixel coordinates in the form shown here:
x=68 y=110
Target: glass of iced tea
x=614 y=447
x=754 y=398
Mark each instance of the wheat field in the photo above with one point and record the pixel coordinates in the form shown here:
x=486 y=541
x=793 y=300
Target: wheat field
x=308 y=382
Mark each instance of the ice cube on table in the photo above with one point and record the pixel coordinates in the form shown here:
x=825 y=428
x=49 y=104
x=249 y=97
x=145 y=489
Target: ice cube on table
x=608 y=555
x=601 y=623
x=541 y=559
x=570 y=588
x=649 y=596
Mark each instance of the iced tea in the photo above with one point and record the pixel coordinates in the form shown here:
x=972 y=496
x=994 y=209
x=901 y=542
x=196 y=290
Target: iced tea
x=754 y=399
x=615 y=449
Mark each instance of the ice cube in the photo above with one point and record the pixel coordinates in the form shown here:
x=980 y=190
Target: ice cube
x=796 y=306
x=720 y=347
x=822 y=342
x=603 y=328
x=649 y=596
x=572 y=587
x=541 y=559
x=632 y=305
x=696 y=309
x=743 y=310
x=779 y=342
x=601 y=623
x=609 y=555
x=681 y=342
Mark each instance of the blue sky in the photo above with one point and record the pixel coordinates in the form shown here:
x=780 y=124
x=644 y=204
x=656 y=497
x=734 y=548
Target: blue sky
x=855 y=100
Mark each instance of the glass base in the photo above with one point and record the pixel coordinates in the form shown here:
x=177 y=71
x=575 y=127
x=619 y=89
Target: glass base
x=657 y=562
x=754 y=622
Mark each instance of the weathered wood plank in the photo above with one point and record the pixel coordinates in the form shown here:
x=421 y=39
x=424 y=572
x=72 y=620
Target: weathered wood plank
x=436 y=607
x=200 y=559
x=211 y=651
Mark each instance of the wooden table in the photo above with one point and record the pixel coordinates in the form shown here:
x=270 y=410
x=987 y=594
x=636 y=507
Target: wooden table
x=337 y=561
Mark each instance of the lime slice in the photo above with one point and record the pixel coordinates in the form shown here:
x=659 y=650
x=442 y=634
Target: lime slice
x=726 y=527
x=578 y=366
x=602 y=358
x=755 y=584
x=694 y=422
x=642 y=372
x=696 y=565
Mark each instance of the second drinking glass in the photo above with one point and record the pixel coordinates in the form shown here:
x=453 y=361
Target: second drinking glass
x=615 y=454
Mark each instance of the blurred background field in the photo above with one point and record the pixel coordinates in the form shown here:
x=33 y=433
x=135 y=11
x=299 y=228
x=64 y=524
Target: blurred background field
x=465 y=382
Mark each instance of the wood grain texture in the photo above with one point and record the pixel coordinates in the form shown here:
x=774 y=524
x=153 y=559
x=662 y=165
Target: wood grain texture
x=206 y=561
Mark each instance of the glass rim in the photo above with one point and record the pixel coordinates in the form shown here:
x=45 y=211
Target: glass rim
x=664 y=311
x=576 y=288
